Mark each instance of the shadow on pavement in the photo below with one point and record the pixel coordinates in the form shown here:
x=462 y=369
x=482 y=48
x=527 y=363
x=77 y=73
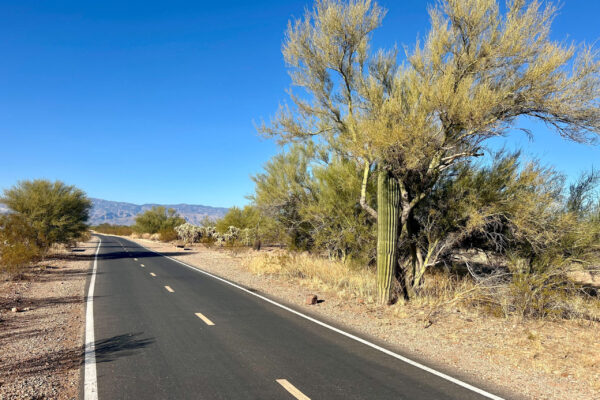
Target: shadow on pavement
x=106 y=350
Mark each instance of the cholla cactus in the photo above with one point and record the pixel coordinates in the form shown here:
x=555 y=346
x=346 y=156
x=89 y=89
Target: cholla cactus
x=248 y=236
x=219 y=239
x=233 y=232
x=208 y=232
x=189 y=233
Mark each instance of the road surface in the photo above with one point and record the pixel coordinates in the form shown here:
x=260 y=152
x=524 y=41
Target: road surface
x=165 y=331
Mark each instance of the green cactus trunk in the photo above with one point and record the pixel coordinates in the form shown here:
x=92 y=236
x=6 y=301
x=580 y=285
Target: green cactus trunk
x=388 y=212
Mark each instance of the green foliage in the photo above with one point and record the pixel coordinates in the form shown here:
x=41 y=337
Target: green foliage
x=167 y=234
x=310 y=201
x=241 y=218
x=280 y=191
x=121 y=230
x=157 y=219
x=337 y=223
x=18 y=246
x=56 y=212
x=583 y=199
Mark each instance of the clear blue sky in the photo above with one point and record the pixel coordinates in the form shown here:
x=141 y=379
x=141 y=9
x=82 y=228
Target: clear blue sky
x=154 y=101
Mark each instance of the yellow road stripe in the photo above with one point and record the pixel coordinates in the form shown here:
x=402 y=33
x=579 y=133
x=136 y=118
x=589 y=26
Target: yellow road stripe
x=292 y=389
x=142 y=265
x=203 y=318
x=169 y=289
x=152 y=273
x=135 y=259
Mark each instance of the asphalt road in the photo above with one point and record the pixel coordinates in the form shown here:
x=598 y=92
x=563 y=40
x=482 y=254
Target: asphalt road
x=154 y=340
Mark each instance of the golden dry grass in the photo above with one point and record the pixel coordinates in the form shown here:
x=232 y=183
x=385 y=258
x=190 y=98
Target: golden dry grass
x=440 y=291
x=315 y=272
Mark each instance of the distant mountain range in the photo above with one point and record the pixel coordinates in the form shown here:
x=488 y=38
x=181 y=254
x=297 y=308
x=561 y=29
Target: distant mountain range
x=119 y=213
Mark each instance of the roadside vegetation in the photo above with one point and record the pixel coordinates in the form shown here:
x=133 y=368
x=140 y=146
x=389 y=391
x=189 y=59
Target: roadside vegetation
x=158 y=223
x=42 y=214
x=385 y=187
x=109 y=229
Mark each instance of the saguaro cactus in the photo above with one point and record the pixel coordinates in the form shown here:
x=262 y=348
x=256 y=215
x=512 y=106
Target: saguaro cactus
x=388 y=210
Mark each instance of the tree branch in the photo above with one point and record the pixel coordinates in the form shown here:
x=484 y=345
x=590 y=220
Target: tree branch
x=363 y=192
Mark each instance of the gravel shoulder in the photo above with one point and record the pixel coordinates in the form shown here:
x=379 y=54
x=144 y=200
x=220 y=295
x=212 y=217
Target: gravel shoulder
x=41 y=344
x=520 y=359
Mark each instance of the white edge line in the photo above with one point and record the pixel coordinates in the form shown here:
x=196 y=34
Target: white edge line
x=341 y=332
x=90 y=382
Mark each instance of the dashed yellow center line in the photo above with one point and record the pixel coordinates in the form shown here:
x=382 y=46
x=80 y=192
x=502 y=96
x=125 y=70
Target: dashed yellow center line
x=135 y=259
x=152 y=273
x=142 y=265
x=203 y=318
x=292 y=389
x=169 y=289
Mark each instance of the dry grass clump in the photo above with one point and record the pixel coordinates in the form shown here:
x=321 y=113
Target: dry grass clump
x=313 y=271
x=518 y=296
x=440 y=291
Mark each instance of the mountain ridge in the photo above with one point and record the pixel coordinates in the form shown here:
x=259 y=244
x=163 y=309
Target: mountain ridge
x=123 y=213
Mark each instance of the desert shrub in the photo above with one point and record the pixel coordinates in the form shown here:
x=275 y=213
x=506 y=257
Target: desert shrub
x=541 y=291
x=121 y=230
x=56 y=212
x=167 y=234
x=156 y=219
x=18 y=246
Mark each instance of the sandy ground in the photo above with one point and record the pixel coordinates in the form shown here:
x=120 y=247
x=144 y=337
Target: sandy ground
x=41 y=345
x=530 y=359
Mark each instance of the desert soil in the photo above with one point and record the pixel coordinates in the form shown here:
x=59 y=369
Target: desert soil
x=41 y=344
x=517 y=359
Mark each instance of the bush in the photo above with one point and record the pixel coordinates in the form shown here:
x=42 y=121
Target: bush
x=157 y=219
x=17 y=244
x=167 y=234
x=56 y=212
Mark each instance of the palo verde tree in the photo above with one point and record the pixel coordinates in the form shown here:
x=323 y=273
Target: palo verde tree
x=157 y=219
x=53 y=211
x=476 y=74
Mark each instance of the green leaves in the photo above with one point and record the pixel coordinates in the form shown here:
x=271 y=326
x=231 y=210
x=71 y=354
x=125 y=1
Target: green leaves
x=56 y=212
x=157 y=219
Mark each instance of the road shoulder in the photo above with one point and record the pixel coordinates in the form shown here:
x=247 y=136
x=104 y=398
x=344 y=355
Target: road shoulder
x=42 y=343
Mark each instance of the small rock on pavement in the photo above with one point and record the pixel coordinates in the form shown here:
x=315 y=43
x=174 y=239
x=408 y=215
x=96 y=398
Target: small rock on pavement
x=311 y=299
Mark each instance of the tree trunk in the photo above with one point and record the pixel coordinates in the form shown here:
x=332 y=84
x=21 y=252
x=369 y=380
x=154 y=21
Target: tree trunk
x=412 y=267
x=388 y=209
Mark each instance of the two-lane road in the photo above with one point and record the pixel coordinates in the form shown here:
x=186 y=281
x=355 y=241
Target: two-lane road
x=166 y=331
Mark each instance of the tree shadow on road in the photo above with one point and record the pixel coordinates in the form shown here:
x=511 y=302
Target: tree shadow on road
x=35 y=302
x=107 y=350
